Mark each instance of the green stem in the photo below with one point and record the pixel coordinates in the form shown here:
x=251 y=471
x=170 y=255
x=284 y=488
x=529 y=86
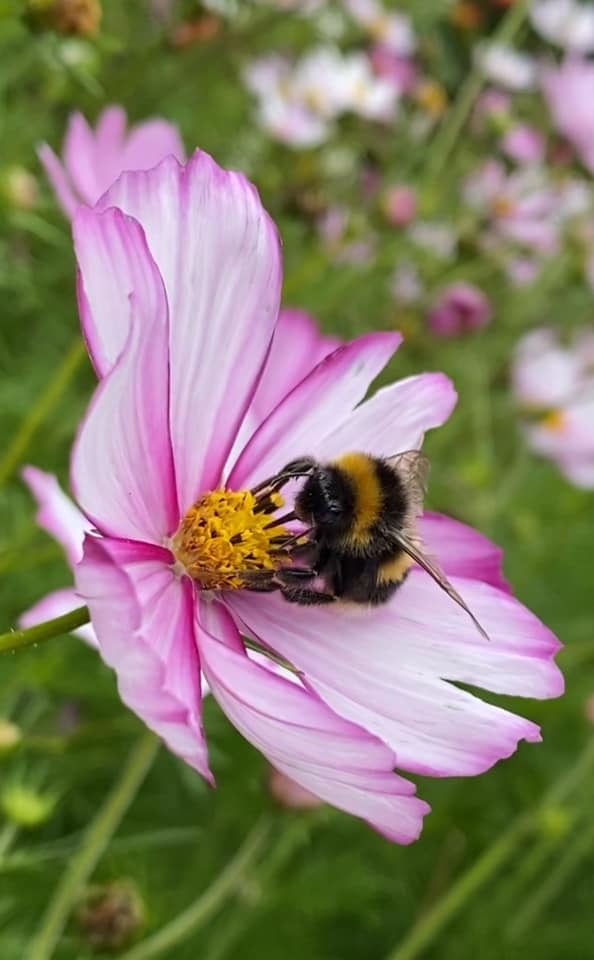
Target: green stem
x=447 y=135
x=557 y=877
x=15 y=639
x=94 y=842
x=430 y=925
x=42 y=409
x=226 y=884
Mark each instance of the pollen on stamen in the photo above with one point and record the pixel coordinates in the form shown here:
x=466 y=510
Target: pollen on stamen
x=228 y=539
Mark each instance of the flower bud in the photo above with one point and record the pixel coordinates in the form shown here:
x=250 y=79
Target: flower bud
x=25 y=806
x=111 y=917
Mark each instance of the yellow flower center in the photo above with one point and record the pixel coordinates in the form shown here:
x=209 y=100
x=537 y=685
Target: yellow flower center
x=555 y=421
x=229 y=541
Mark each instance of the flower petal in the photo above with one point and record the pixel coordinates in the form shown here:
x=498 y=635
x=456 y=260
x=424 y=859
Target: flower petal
x=301 y=423
x=55 y=605
x=219 y=255
x=339 y=762
x=143 y=618
x=59 y=179
x=114 y=262
x=57 y=513
x=122 y=468
x=395 y=419
x=297 y=347
x=149 y=143
x=80 y=158
x=387 y=669
x=462 y=551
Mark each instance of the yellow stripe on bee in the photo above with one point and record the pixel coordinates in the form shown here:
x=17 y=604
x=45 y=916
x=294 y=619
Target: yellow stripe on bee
x=369 y=498
x=395 y=570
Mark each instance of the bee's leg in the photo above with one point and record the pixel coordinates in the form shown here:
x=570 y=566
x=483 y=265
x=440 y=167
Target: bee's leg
x=305 y=597
x=296 y=468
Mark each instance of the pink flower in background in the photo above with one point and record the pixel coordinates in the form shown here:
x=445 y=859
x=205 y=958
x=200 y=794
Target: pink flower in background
x=289 y=794
x=493 y=106
x=523 y=207
x=93 y=158
x=569 y=91
x=524 y=144
x=399 y=204
x=554 y=385
x=391 y=28
x=401 y=72
x=179 y=311
x=461 y=308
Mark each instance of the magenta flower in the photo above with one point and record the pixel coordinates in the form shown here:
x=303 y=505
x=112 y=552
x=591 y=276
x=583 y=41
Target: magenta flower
x=460 y=309
x=92 y=159
x=180 y=276
x=400 y=205
x=569 y=91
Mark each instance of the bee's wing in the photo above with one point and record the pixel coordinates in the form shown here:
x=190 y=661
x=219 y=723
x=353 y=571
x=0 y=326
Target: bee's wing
x=413 y=469
x=415 y=550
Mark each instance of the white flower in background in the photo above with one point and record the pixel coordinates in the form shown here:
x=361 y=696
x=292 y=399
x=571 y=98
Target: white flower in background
x=507 y=67
x=565 y=23
x=391 y=29
x=298 y=103
x=554 y=385
x=406 y=285
x=438 y=238
x=279 y=111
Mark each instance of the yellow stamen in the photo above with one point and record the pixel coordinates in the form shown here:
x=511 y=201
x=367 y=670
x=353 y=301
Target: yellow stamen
x=555 y=421
x=432 y=97
x=224 y=540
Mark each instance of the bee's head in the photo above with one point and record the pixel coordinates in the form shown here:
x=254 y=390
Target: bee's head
x=326 y=501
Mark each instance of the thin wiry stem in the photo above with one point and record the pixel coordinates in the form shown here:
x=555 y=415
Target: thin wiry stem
x=15 y=639
x=41 y=410
x=447 y=135
x=226 y=884
x=481 y=871
x=94 y=842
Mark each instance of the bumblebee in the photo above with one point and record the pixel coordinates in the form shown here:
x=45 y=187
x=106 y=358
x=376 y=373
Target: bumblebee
x=361 y=514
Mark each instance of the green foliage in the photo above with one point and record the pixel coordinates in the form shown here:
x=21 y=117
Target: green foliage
x=322 y=885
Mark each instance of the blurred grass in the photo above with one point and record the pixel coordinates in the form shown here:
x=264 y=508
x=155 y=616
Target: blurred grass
x=326 y=887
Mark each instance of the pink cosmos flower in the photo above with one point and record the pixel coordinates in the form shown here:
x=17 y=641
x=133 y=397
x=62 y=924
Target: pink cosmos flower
x=400 y=205
x=524 y=144
x=92 y=159
x=460 y=309
x=179 y=286
x=569 y=91
x=522 y=206
x=391 y=28
x=554 y=385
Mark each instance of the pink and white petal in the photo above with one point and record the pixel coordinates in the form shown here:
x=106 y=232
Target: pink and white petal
x=57 y=513
x=395 y=419
x=56 y=604
x=388 y=669
x=324 y=754
x=149 y=143
x=108 y=154
x=301 y=424
x=114 y=262
x=297 y=347
x=219 y=255
x=462 y=551
x=79 y=158
x=143 y=617
x=122 y=467
x=578 y=471
x=59 y=180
